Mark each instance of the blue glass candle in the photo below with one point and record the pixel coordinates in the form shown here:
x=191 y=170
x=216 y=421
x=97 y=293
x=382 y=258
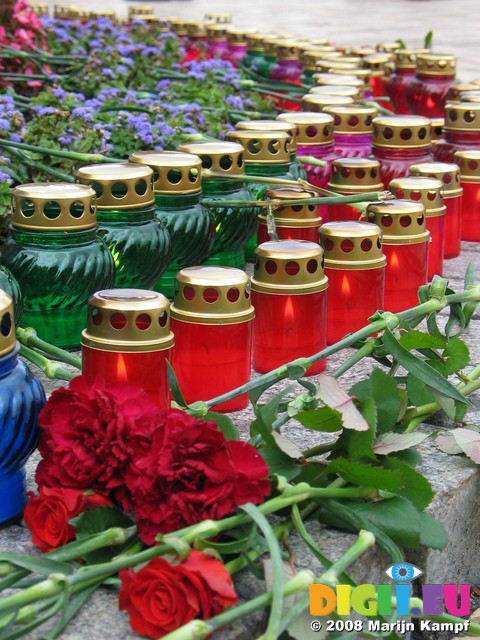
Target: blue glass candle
x=21 y=398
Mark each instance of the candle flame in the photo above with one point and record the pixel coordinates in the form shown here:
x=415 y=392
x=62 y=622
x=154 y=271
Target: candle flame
x=345 y=286
x=121 y=369
x=430 y=103
x=394 y=261
x=289 y=314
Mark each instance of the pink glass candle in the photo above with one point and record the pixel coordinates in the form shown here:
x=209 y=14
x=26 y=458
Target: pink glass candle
x=352 y=130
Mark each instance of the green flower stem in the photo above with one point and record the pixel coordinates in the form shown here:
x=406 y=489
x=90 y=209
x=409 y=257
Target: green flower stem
x=70 y=155
x=65 y=177
x=319 y=449
x=29 y=338
x=375 y=105
x=324 y=200
x=365 y=540
x=310 y=160
x=283 y=86
x=132 y=108
x=52 y=370
x=276 y=94
x=365 y=350
x=20 y=77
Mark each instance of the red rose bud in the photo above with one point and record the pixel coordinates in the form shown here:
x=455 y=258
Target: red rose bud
x=47 y=515
x=161 y=598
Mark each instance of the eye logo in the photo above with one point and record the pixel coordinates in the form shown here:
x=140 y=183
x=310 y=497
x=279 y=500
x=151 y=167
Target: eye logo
x=403 y=572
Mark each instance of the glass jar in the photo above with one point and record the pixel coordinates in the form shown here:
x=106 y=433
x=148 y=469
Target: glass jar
x=355 y=267
x=212 y=323
x=314 y=138
x=352 y=176
x=55 y=254
x=236 y=44
x=254 y=56
x=287 y=69
x=292 y=222
x=265 y=66
x=398 y=142
x=461 y=131
x=216 y=42
x=289 y=294
x=396 y=85
x=376 y=65
x=139 y=243
x=308 y=56
x=21 y=399
x=10 y=286
x=296 y=168
x=195 y=43
x=455 y=91
x=429 y=192
x=177 y=182
x=449 y=176
x=469 y=164
x=267 y=154
x=234 y=225
x=427 y=94
x=405 y=245
x=352 y=130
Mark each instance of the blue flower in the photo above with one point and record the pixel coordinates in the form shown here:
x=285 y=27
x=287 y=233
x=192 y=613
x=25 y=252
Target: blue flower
x=4 y=177
x=107 y=73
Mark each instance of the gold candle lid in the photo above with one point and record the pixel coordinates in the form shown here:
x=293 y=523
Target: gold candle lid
x=456 y=89
x=287 y=50
x=352 y=245
x=339 y=57
x=239 y=35
x=196 y=29
x=270 y=47
x=447 y=172
x=293 y=267
x=321 y=42
x=389 y=69
x=437 y=129
x=216 y=32
x=7 y=326
x=414 y=132
x=376 y=63
x=212 y=295
x=263 y=147
x=140 y=9
x=388 y=47
x=179 y=26
x=407 y=58
x=470 y=96
x=309 y=56
x=54 y=206
x=219 y=156
x=316 y=102
x=427 y=191
x=119 y=185
x=336 y=63
x=312 y=128
x=355 y=175
x=337 y=90
x=352 y=119
x=469 y=164
x=344 y=48
x=361 y=52
x=336 y=78
x=401 y=221
x=436 y=64
x=103 y=13
x=462 y=116
x=301 y=215
x=270 y=125
x=362 y=77
x=40 y=8
x=220 y=18
x=173 y=172
x=128 y=320
x=255 y=41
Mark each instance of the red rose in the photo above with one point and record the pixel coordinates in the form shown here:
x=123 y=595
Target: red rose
x=83 y=433
x=47 y=515
x=187 y=473
x=162 y=597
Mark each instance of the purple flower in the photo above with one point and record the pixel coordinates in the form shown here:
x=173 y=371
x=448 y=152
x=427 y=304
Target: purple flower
x=83 y=113
x=43 y=111
x=65 y=140
x=235 y=102
x=121 y=68
x=4 y=177
x=4 y=124
x=59 y=93
x=107 y=73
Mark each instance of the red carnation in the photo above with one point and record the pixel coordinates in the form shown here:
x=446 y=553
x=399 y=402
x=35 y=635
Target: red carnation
x=189 y=472
x=162 y=597
x=84 y=430
x=47 y=515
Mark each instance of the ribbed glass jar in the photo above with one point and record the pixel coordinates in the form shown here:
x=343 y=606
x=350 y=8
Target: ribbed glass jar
x=469 y=163
x=11 y=286
x=352 y=130
x=461 y=131
x=427 y=94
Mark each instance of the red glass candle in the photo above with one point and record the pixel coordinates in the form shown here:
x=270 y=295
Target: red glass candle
x=449 y=175
x=461 y=131
x=437 y=131
x=314 y=138
x=376 y=63
x=211 y=318
x=292 y=222
x=429 y=192
x=469 y=164
x=352 y=176
x=352 y=130
x=405 y=245
x=195 y=43
x=289 y=293
x=355 y=267
x=128 y=339
x=427 y=94
x=400 y=141
x=404 y=73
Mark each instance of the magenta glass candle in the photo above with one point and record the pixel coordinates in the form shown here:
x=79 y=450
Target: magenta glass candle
x=427 y=94
x=289 y=292
x=469 y=163
x=355 y=267
x=352 y=130
x=216 y=42
x=352 y=176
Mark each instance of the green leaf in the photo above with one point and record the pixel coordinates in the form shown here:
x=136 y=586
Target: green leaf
x=224 y=424
x=38 y=564
x=325 y=419
x=254 y=394
x=403 y=404
x=357 y=445
x=266 y=416
x=75 y=603
x=420 y=369
x=297 y=368
x=279 y=463
x=287 y=446
x=447 y=404
x=447 y=443
x=427 y=43
x=383 y=389
x=432 y=533
x=313 y=474
x=416 y=339
x=468 y=440
x=418 y=393
x=409 y=456
x=334 y=396
x=364 y=474
x=96 y=521
x=457 y=356
x=174 y=386
x=416 y=487
x=401 y=43
x=390 y=442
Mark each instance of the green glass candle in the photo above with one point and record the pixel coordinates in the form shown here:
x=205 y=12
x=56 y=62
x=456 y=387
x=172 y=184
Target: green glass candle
x=178 y=188
x=267 y=154
x=139 y=243
x=11 y=286
x=233 y=225
x=57 y=258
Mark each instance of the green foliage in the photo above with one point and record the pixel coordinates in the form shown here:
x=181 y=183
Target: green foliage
x=95 y=521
